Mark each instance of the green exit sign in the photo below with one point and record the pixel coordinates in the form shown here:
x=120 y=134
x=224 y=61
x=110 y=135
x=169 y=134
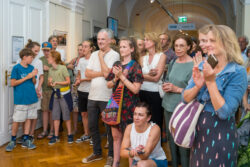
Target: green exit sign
x=182 y=19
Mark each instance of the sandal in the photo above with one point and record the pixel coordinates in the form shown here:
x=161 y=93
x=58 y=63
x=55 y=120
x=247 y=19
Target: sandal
x=42 y=135
x=51 y=134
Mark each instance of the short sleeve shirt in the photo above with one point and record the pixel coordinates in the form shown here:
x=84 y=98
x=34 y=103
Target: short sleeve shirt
x=24 y=93
x=45 y=86
x=37 y=63
x=84 y=86
x=98 y=88
x=58 y=74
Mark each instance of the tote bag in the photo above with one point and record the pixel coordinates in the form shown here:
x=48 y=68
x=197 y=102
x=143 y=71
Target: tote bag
x=182 y=124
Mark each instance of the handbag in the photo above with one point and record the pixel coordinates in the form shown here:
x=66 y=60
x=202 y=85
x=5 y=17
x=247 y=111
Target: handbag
x=182 y=124
x=111 y=115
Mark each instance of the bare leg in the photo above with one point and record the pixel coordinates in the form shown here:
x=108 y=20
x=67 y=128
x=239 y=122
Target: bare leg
x=51 y=122
x=56 y=126
x=75 y=120
x=27 y=125
x=68 y=126
x=45 y=120
x=33 y=126
x=14 y=128
x=85 y=122
x=117 y=140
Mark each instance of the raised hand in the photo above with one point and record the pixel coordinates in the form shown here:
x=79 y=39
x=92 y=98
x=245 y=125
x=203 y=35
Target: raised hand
x=117 y=70
x=198 y=77
x=208 y=72
x=197 y=59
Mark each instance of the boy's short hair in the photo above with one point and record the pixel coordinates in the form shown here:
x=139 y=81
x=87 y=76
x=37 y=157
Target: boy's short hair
x=26 y=52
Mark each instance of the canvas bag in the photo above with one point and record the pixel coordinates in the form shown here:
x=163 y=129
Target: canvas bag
x=111 y=115
x=182 y=124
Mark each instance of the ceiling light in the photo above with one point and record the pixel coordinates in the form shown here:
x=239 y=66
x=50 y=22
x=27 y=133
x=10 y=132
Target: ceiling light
x=152 y=1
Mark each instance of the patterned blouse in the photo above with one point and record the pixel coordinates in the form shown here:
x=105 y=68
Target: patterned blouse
x=129 y=98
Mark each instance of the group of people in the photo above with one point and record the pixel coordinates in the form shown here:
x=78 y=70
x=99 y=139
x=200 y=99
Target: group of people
x=155 y=73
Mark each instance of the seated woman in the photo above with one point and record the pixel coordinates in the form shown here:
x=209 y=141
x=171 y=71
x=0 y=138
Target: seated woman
x=142 y=140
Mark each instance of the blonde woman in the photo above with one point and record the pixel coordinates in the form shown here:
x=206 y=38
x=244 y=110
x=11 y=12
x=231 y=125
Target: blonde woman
x=221 y=90
x=153 y=64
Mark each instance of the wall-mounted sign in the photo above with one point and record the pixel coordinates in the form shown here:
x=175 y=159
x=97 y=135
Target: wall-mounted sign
x=17 y=46
x=187 y=26
x=182 y=19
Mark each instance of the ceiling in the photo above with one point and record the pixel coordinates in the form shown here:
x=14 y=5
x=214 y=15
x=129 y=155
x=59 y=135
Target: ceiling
x=143 y=16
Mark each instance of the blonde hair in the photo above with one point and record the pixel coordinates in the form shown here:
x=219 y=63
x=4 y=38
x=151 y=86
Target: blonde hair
x=227 y=37
x=155 y=38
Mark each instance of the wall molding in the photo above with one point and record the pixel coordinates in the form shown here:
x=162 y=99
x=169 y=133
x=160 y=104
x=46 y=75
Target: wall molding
x=75 y=5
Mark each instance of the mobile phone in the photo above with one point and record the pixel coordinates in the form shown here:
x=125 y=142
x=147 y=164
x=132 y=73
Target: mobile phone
x=212 y=60
x=140 y=152
x=117 y=63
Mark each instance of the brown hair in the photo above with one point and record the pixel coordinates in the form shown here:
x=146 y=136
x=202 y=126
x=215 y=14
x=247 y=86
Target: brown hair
x=145 y=105
x=155 y=38
x=31 y=44
x=184 y=37
x=51 y=37
x=167 y=34
x=26 y=52
x=57 y=57
x=91 y=45
x=132 y=44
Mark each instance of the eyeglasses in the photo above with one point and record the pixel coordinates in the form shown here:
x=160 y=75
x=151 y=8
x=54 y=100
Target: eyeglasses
x=180 y=46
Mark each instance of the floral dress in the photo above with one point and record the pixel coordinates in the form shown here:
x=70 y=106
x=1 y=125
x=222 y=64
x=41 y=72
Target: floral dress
x=129 y=98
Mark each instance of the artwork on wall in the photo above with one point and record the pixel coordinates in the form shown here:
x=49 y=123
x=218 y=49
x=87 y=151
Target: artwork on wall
x=61 y=37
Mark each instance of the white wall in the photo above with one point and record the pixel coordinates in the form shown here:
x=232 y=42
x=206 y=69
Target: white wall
x=246 y=23
x=64 y=19
x=96 y=12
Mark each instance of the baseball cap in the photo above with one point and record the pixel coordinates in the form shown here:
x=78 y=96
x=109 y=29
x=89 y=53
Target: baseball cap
x=46 y=45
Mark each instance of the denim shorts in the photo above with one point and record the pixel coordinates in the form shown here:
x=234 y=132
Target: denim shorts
x=159 y=163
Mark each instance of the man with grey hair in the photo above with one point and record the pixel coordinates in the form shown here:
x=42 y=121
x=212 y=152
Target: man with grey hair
x=243 y=42
x=99 y=66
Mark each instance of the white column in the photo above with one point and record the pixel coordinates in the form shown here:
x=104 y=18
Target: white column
x=246 y=22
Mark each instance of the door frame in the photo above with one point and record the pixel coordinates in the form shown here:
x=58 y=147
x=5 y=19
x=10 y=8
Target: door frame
x=6 y=97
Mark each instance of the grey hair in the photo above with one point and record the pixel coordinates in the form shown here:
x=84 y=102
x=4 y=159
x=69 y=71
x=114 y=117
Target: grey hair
x=108 y=31
x=245 y=37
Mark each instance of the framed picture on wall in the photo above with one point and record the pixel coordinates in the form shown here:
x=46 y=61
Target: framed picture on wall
x=61 y=37
x=17 y=46
x=112 y=24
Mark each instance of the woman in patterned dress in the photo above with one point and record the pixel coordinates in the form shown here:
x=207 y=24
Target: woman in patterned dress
x=132 y=80
x=221 y=89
